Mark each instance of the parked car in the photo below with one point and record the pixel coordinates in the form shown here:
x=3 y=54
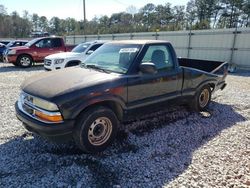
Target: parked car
x=2 y=49
x=5 y=42
x=11 y=44
x=119 y=80
x=15 y=43
x=73 y=58
x=35 y=51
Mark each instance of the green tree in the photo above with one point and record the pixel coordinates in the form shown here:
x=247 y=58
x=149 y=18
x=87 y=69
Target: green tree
x=35 y=22
x=55 y=25
x=164 y=16
x=179 y=17
x=246 y=13
x=231 y=13
x=43 y=23
x=148 y=15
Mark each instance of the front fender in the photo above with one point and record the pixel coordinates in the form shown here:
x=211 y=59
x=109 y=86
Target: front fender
x=76 y=107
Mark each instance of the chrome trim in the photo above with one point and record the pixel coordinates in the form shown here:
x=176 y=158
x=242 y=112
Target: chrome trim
x=21 y=102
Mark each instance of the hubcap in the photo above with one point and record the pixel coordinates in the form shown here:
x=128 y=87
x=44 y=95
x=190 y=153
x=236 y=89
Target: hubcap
x=99 y=131
x=204 y=98
x=25 y=61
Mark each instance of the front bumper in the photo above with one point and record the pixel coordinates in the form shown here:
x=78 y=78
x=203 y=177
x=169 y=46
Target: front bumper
x=60 y=131
x=53 y=67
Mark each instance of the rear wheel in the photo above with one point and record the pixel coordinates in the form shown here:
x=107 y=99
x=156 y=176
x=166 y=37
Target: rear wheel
x=95 y=129
x=24 y=61
x=202 y=98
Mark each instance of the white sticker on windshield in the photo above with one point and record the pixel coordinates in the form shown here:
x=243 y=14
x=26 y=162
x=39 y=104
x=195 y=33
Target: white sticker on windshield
x=128 y=50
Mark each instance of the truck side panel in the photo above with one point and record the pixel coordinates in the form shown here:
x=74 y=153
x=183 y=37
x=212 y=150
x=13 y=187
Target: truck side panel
x=195 y=79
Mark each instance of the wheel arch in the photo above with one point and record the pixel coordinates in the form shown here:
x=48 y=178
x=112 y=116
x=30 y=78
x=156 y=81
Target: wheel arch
x=211 y=83
x=72 y=62
x=25 y=54
x=111 y=104
x=212 y=86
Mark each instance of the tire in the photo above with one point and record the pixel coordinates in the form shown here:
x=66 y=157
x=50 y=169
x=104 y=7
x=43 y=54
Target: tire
x=202 y=99
x=95 y=129
x=24 y=61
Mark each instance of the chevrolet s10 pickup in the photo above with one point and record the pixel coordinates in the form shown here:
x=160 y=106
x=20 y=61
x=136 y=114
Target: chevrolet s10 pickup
x=120 y=79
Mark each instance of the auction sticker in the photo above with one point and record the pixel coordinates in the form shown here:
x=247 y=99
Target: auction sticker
x=128 y=50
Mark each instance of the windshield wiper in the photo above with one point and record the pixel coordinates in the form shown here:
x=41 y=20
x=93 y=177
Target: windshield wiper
x=95 y=67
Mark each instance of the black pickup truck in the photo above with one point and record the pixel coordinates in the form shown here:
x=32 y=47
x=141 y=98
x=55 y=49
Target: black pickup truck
x=120 y=79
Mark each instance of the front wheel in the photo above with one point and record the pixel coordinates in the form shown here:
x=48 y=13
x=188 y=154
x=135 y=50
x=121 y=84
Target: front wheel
x=202 y=98
x=24 y=61
x=95 y=129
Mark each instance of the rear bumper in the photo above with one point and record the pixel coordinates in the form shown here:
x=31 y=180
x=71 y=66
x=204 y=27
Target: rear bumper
x=57 y=132
x=221 y=85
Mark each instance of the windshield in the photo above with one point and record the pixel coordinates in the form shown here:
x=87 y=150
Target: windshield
x=30 y=43
x=2 y=45
x=80 y=48
x=10 y=44
x=113 y=57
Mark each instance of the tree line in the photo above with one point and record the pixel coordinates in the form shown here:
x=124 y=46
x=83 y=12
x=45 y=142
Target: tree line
x=197 y=14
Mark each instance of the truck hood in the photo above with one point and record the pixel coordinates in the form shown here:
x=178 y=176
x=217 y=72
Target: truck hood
x=50 y=84
x=19 y=48
x=63 y=55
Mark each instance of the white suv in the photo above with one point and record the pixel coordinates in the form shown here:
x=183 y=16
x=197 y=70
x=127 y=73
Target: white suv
x=73 y=58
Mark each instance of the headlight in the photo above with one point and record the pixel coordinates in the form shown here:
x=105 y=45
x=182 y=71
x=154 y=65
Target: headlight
x=58 y=61
x=39 y=109
x=12 y=52
x=40 y=103
x=37 y=102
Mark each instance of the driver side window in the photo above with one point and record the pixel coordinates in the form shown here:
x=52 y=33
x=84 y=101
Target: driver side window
x=160 y=56
x=45 y=43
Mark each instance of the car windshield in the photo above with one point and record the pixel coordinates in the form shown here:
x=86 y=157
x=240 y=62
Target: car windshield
x=30 y=43
x=10 y=44
x=112 y=57
x=80 y=48
x=2 y=45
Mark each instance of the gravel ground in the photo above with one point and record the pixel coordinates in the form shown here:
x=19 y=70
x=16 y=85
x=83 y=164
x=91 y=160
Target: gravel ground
x=172 y=148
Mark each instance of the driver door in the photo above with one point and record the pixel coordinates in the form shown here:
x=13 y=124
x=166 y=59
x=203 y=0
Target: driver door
x=145 y=89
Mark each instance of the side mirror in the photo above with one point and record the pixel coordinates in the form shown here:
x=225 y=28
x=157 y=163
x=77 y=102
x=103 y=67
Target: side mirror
x=90 y=52
x=148 y=68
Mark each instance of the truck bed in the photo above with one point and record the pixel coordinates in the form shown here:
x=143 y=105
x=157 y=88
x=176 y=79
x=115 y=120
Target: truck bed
x=204 y=65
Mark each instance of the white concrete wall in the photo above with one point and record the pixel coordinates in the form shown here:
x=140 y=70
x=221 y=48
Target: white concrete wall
x=220 y=44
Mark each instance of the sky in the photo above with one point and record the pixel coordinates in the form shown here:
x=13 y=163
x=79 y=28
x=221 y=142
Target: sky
x=74 y=8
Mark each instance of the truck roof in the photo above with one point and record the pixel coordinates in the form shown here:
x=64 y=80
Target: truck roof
x=138 y=41
x=38 y=38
